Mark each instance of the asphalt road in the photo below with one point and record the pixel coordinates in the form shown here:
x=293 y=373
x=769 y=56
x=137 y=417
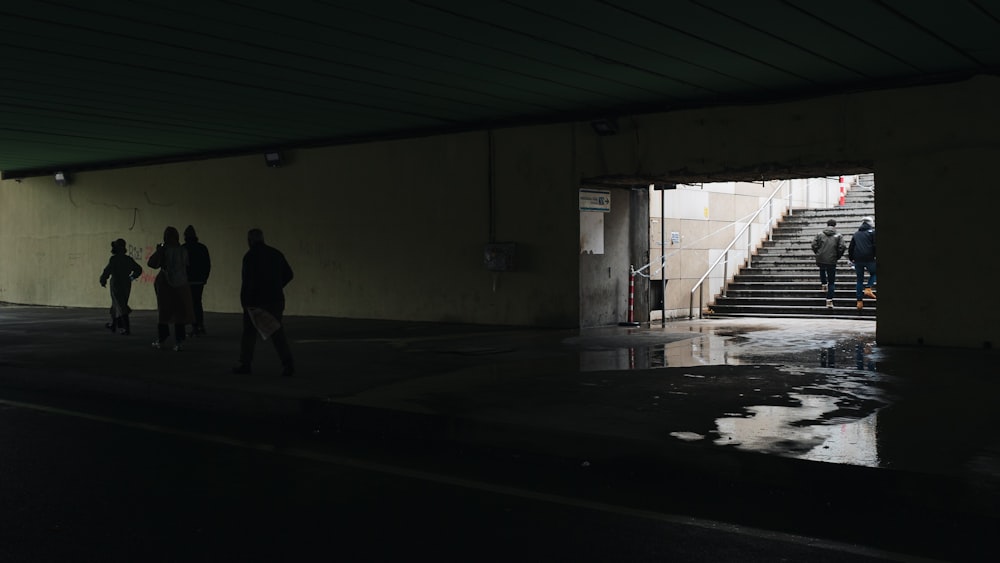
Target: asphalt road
x=82 y=481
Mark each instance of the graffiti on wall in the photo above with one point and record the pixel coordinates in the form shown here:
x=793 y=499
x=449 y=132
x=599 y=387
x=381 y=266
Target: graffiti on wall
x=141 y=255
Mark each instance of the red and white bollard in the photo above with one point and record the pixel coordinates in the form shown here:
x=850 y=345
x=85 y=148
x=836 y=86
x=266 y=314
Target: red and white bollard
x=631 y=299
x=842 y=191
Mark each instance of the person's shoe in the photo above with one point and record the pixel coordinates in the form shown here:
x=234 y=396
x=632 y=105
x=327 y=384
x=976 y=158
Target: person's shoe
x=124 y=332
x=109 y=326
x=156 y=344
x=288 y=371
x=829 y=303
x=861 y=304
x=178 y=347
x=242 y=369
x=824 y=287
x=869 y=293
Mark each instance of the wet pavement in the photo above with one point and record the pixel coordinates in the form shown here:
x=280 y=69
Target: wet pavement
x=772 y=402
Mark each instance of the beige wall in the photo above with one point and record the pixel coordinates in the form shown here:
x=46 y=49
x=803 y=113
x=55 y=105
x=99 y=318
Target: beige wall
x=390 y=230
x=396 y=229
x=707 y=218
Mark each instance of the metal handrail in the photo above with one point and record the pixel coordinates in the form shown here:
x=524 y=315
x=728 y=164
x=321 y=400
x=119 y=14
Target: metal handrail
x=725 y=253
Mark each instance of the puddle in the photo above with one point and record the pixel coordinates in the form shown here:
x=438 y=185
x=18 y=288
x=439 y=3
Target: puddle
x=818 y=401
x=857 y=352
x=802 y=432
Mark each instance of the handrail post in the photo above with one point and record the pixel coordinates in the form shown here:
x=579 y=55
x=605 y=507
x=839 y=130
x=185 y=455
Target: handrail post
x=725 y=273
x=749 y=246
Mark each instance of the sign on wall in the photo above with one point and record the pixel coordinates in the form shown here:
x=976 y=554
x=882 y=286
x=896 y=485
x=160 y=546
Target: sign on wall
x=595 y=200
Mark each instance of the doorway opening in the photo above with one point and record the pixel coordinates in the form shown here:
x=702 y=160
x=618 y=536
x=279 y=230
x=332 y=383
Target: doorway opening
x=744 y=249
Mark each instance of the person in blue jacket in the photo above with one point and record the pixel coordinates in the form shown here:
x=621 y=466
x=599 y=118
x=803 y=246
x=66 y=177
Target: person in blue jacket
x=861 y=253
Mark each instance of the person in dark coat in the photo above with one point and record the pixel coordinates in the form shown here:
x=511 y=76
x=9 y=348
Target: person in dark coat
x=861 y=253
x=199 y=266
x=829 y=247
x=121 y=270
x=173 y=294
x=265 y=275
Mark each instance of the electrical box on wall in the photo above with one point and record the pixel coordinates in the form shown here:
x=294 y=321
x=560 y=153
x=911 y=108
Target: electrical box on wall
x=499 y=256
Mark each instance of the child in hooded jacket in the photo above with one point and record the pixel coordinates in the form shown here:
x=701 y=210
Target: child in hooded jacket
x=121 y=270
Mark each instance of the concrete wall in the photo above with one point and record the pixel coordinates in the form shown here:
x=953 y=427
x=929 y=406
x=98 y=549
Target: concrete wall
x=933 y=150
x=938 y=218
x=396 y=229
x=392 y=230
x=604 y=276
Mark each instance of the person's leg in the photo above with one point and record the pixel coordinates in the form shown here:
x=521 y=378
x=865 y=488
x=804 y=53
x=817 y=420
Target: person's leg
x=199 y=311
x=831 y=276
x=859 y=269
x=869 y=290
x=822 y=275
x=163 y=332
x=247 y=342
x=125 y=325
x=179 y=335
x=284 y=351
x=281 y=340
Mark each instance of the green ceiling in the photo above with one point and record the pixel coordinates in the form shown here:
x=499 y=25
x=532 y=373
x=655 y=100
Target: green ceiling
x=123 y=82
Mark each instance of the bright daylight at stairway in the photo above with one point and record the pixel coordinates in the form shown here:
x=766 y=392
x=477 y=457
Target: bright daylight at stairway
x=742 y=249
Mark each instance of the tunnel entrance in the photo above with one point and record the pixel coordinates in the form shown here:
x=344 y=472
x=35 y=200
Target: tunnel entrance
x=744 y=249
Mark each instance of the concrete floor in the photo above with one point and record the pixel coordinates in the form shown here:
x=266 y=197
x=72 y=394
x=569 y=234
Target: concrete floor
x=773 y=401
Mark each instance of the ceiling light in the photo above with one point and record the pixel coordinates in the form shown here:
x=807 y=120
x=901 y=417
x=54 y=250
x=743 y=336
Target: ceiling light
x=273 y=159
x=62 y=179
x=604 y=126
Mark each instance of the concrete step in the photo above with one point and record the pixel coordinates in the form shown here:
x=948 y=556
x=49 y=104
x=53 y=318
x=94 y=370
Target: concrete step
x=787 y=270
x=824 y=314
x=783 y=279
x=775 y=261
x=849 y=311
x=780 y=280
x=840 y=292
x=791 y=302
x=785 y=286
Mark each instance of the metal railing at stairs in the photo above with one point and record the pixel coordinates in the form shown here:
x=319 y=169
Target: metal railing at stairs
x=724 y=257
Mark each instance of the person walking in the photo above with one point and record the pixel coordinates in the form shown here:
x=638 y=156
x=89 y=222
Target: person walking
x=829 y=247
x=199 y=267
x=861 y=253
x=121 y=270
x=264 y=276
x=173 y=294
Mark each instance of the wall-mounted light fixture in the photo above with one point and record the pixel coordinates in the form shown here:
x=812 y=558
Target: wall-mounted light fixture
x=604 y=126
x=62 y=179
x=273 y=159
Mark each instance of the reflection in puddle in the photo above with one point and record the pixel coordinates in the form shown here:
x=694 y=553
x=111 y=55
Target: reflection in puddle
x=708 y=349
x=714 y=350
x=817 y=399
x=800 y=432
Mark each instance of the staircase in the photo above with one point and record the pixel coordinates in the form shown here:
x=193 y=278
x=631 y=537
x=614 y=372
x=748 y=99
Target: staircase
x=783 y=280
